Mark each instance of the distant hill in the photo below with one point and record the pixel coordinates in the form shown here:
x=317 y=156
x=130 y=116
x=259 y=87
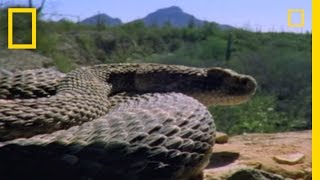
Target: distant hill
x=173 y=15
x=176 y=17
x=103 y=18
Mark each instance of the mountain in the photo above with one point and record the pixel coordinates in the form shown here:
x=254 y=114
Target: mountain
x=177 y=18
x=103 y=18
x=173 y=15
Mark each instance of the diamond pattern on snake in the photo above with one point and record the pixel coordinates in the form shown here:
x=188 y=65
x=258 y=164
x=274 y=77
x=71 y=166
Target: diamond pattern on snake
x=113 y=121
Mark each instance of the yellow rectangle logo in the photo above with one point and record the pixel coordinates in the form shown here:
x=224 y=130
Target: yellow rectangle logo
x=33 y=12
x=301 y=23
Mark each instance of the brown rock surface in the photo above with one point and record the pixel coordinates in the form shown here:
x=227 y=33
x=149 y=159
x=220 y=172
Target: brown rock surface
x=290 y=158
x=258 y=150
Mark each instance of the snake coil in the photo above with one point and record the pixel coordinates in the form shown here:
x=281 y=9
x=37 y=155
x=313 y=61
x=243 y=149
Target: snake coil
x=113 y=121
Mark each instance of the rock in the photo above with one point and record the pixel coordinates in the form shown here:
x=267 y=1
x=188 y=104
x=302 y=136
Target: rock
x=288 y=171
x=221 y=138
x=308 y=174
x=253 y=174
x=289 y=159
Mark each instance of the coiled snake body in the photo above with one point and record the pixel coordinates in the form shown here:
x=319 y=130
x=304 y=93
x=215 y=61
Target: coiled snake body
x=114 y=121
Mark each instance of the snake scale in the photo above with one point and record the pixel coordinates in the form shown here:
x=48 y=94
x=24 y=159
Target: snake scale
x=113 y=121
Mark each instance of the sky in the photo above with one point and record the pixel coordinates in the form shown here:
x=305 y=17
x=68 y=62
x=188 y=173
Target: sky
x=261 y=15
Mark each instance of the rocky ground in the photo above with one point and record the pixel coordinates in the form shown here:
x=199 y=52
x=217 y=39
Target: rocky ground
x=262 y=156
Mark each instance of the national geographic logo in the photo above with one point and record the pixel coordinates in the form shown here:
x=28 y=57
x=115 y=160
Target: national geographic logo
x=33 y=12
x=298 y=24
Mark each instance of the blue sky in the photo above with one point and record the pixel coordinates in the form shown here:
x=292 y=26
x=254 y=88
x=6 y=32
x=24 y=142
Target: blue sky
x=265 y=15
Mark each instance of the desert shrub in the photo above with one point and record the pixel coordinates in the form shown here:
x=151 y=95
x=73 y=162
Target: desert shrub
x=62 y=63
x=258 y=115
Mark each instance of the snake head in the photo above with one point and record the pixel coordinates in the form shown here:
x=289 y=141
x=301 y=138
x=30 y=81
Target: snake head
x=210 y=86
x=225 y=87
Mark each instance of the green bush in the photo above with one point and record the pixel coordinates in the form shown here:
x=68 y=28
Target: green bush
x=258 y=115
x=62 y=63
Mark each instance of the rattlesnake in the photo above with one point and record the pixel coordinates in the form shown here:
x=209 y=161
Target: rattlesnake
x=113 y=121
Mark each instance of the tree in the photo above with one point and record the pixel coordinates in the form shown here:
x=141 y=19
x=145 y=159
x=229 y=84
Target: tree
x=100 y=22
x=191 y=23
x=229 y=47
x=39 y=9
